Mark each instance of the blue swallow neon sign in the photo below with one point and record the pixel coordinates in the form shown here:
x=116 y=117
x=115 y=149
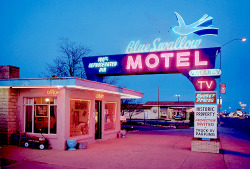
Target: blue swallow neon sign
x=201 y=27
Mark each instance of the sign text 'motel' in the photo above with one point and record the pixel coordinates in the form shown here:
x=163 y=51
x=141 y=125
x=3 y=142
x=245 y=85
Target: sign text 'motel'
x=179 y=61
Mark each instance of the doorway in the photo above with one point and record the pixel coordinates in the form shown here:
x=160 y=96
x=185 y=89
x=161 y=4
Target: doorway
x=98 y=119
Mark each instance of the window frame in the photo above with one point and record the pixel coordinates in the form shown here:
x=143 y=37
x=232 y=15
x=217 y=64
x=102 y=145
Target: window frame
x=115 y=115
x=32 y=103
x=89 y=103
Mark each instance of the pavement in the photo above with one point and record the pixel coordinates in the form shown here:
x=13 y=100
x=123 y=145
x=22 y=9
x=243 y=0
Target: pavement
x=169 y=148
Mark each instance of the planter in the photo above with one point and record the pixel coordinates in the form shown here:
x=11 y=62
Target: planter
x=71 y=144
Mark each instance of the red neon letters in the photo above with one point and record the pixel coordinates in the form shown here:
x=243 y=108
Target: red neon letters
x=152 y=57
x=204 y=84
x=170 y=59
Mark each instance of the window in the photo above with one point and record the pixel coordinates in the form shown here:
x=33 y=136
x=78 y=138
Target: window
x=40 y=115
x=79 y=117
x=110 y=113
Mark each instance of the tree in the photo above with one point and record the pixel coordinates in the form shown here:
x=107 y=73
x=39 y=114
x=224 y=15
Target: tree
x=111 y=80
x=130 y=107
x=69 y=63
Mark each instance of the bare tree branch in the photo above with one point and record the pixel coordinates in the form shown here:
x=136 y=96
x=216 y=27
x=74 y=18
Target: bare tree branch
x=130 y=106
x=69 y=63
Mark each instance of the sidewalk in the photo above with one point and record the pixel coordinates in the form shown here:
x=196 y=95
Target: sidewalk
x=170 y=148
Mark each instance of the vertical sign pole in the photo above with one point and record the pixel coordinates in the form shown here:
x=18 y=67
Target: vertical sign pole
x=158 y=104
x=219 y=92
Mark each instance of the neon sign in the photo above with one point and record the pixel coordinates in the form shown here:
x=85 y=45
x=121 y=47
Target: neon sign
x=99 y=96
x=201 y=27
x=204 y=84
x=53 y=92
x=205 y=72
x=102 y=64
x=167 y=59
x=157 y=45
x=179 y=61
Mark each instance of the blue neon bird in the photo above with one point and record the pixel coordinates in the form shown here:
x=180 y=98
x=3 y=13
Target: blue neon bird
x=201 y=27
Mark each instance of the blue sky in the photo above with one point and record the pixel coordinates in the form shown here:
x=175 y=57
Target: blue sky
x=30 y=31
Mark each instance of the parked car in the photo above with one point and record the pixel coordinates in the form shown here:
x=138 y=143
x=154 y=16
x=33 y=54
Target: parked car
x=178 y=117
x=236 y=115
x=247 y=116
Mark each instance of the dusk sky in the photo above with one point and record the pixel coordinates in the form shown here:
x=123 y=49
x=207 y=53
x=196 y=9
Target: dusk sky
x=30 y=31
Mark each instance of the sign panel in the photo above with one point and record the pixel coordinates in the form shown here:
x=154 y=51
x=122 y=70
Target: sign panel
x=205 y=121
x=179 y=61
x=204 y=83
x=205 y=98
x=205 y=72
x=223 y=88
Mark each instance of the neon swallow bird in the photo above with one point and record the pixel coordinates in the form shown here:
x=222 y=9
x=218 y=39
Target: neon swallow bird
x=201 y=27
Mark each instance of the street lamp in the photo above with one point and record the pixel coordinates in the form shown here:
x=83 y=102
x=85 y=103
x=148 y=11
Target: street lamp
x=243 y=40
x=177 y=95
x=243 y=106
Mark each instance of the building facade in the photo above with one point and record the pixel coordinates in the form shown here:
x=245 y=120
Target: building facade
x=168 y=110
x=61 y=109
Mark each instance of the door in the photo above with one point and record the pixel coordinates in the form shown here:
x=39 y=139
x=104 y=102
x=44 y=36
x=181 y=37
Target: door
x=98 y=119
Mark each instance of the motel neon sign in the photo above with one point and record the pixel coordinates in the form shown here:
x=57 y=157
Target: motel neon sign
x=179 y=61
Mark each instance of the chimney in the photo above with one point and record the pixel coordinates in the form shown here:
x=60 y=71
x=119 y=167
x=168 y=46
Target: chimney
x=9 y=72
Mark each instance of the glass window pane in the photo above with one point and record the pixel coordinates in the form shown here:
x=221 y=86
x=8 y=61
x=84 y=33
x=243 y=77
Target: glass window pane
x=37 y=100
x=110 y=109
x=55 y=100
x=79 y=117
x=45 y=100
x=30 y=101
x=41 y=119
x=28 y=117
x=53 y=116
x=51 y=101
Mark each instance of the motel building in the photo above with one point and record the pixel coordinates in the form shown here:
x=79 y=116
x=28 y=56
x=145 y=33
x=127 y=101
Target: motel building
x=168 y=110
x=61 y=108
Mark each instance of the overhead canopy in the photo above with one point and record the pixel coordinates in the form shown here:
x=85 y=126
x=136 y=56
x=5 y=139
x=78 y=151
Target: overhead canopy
x=70 y=82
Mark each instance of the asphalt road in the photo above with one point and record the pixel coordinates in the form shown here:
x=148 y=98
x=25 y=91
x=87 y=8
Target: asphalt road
x=242 y=125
